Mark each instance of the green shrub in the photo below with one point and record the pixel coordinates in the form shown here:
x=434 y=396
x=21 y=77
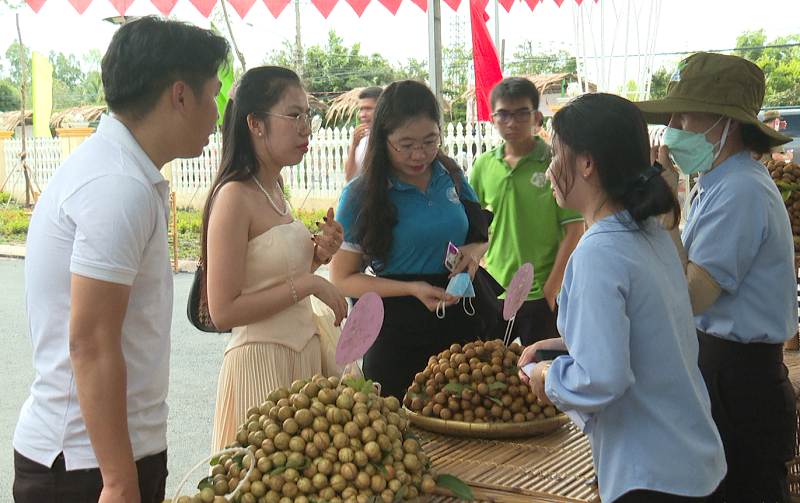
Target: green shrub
x=189 y=221
x=310 y=218
x=13 y=224
x=4 y=197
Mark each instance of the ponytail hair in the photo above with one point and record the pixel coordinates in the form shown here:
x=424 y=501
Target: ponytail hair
x=613 y=131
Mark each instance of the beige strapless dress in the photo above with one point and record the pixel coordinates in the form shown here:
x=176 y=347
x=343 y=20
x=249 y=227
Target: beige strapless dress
x=275 y=351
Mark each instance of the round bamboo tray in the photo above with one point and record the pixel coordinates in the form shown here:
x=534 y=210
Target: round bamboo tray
x=489 y=430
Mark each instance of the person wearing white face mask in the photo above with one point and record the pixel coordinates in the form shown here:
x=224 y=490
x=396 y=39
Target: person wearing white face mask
x=739 y=261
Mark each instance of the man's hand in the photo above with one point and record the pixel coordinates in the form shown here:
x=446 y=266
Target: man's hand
x=360 y=132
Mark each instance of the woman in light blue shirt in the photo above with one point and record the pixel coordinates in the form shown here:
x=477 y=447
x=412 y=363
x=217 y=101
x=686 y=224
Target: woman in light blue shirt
x=625 y=316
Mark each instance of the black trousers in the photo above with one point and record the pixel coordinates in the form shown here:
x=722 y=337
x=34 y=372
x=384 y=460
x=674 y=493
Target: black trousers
x=534 y=322
x=753 y=405
x=411 y=335
x=647 y=496
x=36 y=483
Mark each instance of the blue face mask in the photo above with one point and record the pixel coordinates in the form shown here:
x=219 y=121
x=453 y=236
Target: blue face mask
x=692 y=152
x=460 y=284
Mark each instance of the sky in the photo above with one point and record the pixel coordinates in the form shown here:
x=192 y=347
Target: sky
x=684 y=25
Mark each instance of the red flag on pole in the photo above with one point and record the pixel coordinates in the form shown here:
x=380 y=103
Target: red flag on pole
x=484 y=55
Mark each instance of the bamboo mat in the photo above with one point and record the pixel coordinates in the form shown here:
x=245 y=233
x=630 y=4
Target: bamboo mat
x=555 y=467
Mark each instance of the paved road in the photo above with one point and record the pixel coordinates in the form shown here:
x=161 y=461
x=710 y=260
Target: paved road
x=194 y=368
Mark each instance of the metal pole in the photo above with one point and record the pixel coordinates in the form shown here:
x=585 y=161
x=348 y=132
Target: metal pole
x=435 y=49
x=497 y=27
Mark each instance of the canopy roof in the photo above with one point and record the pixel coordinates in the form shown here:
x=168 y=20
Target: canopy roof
x=242 y=7
x=544 y=82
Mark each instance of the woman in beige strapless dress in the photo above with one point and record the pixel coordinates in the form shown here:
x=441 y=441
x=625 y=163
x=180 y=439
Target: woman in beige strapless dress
x=260 y=258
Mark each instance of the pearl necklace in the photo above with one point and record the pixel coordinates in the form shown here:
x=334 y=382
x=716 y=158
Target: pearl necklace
x=269 y=198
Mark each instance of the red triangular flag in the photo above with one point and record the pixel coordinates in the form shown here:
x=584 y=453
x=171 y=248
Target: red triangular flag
x=391 y=5
x=80 y=5
x=532 y=4
x=164 y=6
x=422 y=4
x=558 y=2
x=324 y=6
x=506 y=4
x=484 y=54
x=359 y=6
x=242 y=7
x=276 y=6
x=204 y=7
x=453 y=4
x=122 y=6
x=35 y=4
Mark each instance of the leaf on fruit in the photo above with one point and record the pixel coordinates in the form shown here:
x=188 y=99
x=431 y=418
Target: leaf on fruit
x=206 y=482
x=415 y=437
x=398 y=497
x=278 y=470
x=455 y=484
x=421 y=395
x=215 y=461
x=456 y=387
x=497 y=385
x=380 y=467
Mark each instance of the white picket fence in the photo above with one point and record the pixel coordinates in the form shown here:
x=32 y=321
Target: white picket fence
x=320 y=175
x=43 y=157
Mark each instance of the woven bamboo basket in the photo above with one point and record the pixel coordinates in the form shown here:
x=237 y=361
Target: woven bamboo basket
x=489 y=430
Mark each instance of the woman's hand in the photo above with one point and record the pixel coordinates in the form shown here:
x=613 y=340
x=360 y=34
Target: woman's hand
x=471 y=258
x=332 y=296
x=431 y=295
x=536 y=382
x=529 y=353
x=329 y=240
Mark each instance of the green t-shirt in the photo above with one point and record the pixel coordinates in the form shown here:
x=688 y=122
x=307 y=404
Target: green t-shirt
x=528 y=224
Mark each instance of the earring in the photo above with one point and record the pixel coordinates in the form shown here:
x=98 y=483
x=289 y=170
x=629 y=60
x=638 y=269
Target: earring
x=260 y=134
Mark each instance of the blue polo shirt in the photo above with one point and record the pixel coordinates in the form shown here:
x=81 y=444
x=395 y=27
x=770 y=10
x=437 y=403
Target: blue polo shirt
x=426 y=221
x=738 y=230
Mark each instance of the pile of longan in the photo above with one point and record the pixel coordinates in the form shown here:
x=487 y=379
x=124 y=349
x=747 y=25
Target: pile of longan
x=477 y=383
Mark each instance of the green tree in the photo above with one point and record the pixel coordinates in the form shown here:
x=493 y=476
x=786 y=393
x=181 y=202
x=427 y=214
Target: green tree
x=781 y=65
x=456 y=66
x=15 y=65
x=9 y=96
x=550 y=60
x=658 y=83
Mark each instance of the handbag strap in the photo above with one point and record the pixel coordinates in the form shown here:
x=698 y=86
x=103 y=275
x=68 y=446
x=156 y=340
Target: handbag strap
x=452 y=168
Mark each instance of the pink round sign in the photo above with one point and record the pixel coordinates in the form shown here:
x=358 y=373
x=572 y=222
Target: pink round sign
x=518 y=290
x=361 y=329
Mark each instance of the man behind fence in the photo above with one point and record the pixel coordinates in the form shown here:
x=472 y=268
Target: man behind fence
x=98 y=280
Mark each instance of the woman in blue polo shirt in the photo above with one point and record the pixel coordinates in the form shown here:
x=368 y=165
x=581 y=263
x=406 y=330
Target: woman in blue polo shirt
x=400 y=215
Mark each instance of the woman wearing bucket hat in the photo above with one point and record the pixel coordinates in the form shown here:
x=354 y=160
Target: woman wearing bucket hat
x=739 y=265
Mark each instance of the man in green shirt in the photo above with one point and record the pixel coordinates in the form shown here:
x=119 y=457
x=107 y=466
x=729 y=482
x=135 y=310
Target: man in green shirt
x=528 y=225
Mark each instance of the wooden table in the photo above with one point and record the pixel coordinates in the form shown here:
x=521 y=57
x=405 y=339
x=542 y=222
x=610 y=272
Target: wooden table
x=554 y=467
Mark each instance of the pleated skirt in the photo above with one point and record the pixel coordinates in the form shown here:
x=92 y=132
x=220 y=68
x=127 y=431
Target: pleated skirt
x=249 y=373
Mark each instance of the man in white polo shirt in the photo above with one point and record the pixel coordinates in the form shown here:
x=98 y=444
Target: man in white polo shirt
x=98 y=280
x=367 y=100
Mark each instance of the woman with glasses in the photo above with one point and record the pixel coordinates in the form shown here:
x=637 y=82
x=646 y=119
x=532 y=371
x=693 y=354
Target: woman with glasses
x=260 y=259
x=400 y=215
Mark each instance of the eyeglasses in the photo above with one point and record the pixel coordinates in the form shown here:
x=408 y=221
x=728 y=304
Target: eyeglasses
x=302 y=121
x=427 y=147
x=523 y=115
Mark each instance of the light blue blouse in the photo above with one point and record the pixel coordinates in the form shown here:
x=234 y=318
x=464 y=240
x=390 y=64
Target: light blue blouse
x=426 y=221
x=625 y=315
x=738 y=230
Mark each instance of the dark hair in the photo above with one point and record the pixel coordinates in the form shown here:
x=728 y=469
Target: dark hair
x=377 y=215
x=613 y=132
x=754 y=139
x=257 y=91
x=147 y=56
x=370 y=93
x=515 y=88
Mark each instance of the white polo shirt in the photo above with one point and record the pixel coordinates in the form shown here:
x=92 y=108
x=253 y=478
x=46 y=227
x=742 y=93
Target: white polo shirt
x=361 y=152
x=103 y=215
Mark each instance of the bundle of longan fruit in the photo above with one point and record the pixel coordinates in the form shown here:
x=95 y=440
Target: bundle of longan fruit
x=314 y=444
x=787 y=176
x=477 y=383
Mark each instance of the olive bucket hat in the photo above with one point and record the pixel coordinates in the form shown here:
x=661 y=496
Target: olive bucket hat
x=718 y=84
